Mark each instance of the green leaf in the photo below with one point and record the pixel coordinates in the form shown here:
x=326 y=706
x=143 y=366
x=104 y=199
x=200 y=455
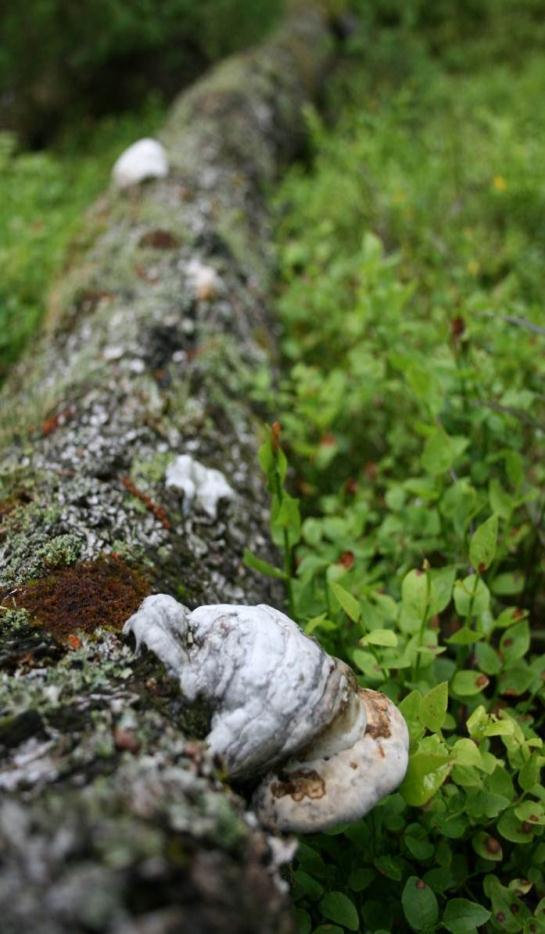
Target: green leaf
x=504 y=903
x=508 y=584
x=466 y=635
x=516 y=680
x=303 y=922
x=466 y=752
x=425 y=775
x=514 y=466
x=515 y=830
x=434 y=707
x=440 y=451
x=390 y=866
x=509 y=616
x=459 y=504
x=360 y=879
x=285 y=516
x=258 y=564
x=339 y=908
x=471 y=596
x=307 y=884
x=488 y=659
x=372 y=248
x=515 y=641
x=414 y=599
x=530 y=811
x=462 y=916
x=418 y=843
x=311 y=860
x=319 y=622
x=367 y=663
x=442 y=582
x=482 y=547
x=501 y=502
x=386 y=637
x=419 y=904
x=487 y=847
x=411 y=707
x=350 y=605
x=272 y=460
x=466 y=682
x=530 y=773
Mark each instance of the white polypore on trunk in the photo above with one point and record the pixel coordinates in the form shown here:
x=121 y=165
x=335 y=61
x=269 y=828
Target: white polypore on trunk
x=204 y=484
x=279 y=700
x=271 y=688
x=144 y=159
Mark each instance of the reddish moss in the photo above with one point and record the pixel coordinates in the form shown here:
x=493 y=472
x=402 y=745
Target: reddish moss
x=93 y=593
x=50 y=424
x=159 y=240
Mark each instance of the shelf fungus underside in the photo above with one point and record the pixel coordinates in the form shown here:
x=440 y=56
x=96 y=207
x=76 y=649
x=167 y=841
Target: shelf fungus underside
x=283 y=711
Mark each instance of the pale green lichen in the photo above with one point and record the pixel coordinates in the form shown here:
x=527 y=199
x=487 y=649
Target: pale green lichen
x=35 y=542
x=13 y=620
x=151 y=470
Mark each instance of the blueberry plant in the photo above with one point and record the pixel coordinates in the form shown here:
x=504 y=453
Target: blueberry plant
x=411 y=519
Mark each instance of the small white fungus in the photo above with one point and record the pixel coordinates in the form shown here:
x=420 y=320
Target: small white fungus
x=203 y=280
x=144 y=159
x=204 y=484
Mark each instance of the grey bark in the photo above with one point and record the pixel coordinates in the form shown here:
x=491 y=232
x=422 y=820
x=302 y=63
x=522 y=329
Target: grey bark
x=112 y=817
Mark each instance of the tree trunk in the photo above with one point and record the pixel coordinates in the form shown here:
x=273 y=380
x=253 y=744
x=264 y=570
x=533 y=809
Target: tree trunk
x=112 y=817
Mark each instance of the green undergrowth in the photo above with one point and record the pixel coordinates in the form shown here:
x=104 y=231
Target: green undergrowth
x=411 y=520
x=43 y=199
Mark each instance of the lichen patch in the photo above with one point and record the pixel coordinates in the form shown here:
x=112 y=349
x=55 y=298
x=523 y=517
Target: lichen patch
x=83 y=597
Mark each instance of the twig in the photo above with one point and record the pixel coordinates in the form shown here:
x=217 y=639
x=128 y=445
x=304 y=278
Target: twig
x=516 y=321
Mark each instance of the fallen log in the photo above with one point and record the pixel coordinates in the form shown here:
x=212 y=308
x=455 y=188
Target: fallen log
x=127 y=466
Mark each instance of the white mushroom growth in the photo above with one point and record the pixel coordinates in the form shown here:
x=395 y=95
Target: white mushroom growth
x=197 y=482
x=144 y=159
x=203 y=280
x=282 y=709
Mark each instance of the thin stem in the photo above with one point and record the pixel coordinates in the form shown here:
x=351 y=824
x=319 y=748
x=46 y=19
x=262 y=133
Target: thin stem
x=423 y=622
x=287 y=550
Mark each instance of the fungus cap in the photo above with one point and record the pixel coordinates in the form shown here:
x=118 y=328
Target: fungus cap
x=204 y=484
x=315 y=792
x=281 y=707
x=144 y=159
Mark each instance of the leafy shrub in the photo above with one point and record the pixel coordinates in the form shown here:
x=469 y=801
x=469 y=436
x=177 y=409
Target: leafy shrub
x=412 y=522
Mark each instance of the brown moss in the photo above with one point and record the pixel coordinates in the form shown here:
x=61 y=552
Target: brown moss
x=159 y=240
x=96 y=593
x=52 y=422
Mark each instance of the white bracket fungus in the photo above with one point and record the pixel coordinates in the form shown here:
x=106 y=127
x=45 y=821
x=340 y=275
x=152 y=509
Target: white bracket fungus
x=283 y=709
x=203 y=280
x=197 y=482
x=144 y=159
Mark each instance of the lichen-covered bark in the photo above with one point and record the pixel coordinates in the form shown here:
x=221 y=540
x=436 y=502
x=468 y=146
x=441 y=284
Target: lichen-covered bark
x=112 y=818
